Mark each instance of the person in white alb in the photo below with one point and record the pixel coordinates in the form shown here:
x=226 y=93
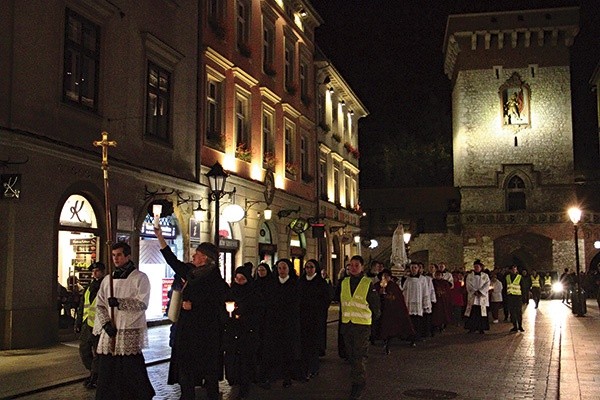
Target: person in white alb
x=122 y=373
x=417 y=295
x=478 y=285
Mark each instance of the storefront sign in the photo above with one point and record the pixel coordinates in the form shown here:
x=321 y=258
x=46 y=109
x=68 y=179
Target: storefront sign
x=297 y=251
x=267 y=248
x=166 y=286
x=78 y=212
x=11 y=186
x=166 y=225
x=194 y=230
x=229 y=244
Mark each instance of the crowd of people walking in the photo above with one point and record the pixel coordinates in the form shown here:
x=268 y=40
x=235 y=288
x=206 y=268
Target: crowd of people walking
x=274 y=326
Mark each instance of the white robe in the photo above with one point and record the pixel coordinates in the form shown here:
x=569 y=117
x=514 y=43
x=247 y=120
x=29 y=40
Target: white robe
x=133 y=295
x=417 y=293
x=476 y=283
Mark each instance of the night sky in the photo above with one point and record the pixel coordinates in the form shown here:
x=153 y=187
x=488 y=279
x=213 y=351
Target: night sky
x=390 y=52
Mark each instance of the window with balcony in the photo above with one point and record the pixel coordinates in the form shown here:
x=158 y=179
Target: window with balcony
x=158 y=99
x=81 y=61
x=214 y=113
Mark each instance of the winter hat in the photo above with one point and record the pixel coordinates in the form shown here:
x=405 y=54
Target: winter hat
x=99 y=265
x=209 y=250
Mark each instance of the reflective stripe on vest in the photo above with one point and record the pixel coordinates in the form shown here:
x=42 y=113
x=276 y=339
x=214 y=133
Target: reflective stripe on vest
x=535 y=281
x=548 y=281
x=355 y=308
x=89 y=310
x=513 y=287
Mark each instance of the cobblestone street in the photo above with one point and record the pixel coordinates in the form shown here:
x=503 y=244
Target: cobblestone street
x=557 y=357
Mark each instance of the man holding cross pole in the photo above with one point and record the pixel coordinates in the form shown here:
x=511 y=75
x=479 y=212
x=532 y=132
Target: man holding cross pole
x=120 y=322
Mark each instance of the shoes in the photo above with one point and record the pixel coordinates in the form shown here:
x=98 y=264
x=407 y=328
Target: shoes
x=521 y=329
x=495 y=321
x=287 y=383
x=514 y=329
x=413 y=344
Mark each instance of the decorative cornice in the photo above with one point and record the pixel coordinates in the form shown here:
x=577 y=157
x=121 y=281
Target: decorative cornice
x=269 y=95
x=218 y=59
x=160 y=50
x=289 y=109
x=244 y=76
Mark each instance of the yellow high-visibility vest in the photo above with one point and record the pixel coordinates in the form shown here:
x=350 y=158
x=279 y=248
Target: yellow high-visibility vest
x=513 y=287
x=89 y=309
x=535 y=281
x=548 y=281
x=355 y=308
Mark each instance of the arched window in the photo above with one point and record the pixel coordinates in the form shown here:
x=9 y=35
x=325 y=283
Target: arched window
x=515 y=194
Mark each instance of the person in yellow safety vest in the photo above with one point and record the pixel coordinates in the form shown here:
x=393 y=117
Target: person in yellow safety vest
x=536 y=287
x=86 y=314
x=513 y=295
x=548 y=280
x=360 y=305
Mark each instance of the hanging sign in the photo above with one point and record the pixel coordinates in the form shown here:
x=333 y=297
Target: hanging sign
x=11 y=186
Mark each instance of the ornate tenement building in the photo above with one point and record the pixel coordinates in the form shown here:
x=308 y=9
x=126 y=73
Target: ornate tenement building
x=179 y=85
x=513 y=139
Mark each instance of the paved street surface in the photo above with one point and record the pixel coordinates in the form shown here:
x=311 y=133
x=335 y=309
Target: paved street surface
x=558 y=357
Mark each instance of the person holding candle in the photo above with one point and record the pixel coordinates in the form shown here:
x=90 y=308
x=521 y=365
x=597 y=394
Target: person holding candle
x=495 y=293
x=196 y=357
x=240 y=338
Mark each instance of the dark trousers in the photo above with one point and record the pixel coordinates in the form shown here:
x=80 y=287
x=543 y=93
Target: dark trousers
x=356 y=338
x=87 y=348
x=123 y=378
x=516 y=312
x=495 y=308
x=536 y=294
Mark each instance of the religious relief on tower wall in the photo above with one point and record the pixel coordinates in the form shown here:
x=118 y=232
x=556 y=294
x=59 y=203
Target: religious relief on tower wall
x=514 y=102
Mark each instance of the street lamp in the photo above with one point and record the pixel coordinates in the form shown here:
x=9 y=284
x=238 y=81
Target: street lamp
x=578 y=306
x=216 y=179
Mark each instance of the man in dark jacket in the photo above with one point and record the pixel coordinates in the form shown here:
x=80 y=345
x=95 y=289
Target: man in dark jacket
x=86 y=314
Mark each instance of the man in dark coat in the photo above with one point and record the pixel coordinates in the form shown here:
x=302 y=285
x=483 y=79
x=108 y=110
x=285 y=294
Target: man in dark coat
x=196 y=358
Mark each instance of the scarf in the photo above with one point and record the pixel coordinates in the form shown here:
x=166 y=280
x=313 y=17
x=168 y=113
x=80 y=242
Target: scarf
x=124 y=271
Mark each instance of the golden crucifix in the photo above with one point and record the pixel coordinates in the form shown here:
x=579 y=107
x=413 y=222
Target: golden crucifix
x=105 y=144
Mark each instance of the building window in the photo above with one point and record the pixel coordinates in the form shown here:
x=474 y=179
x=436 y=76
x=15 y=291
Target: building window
x=214 y=135
x=242 y=128
x=268 y=48
x=158 y=93
x=269 y=160
x=304 y=159
x=215 y=17
x=243 y=27
x=290 y=156
x=290 y=57
x=303 y=76
x=323 y=179
x=81 y=61
x=516 y=199
x=336 y=184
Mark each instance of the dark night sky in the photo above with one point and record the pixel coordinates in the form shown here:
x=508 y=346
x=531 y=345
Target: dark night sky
x=390 y=52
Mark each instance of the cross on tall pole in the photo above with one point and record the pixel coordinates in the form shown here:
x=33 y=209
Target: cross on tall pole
x=105 y=144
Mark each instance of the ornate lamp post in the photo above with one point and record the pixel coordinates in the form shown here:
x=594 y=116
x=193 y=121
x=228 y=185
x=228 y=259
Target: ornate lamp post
x=578 y=306
x=216 y=179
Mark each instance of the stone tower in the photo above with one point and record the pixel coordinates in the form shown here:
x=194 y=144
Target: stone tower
x=513 y=135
